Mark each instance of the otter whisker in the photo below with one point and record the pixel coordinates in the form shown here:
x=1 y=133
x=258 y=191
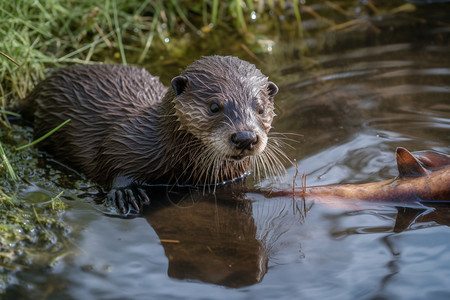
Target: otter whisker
x=285 y=134
x=259 y=163
x=189 y=149
x=202 y=166
x=267 y=166
x=207 y=161
x=271 y=161
x=284 y=141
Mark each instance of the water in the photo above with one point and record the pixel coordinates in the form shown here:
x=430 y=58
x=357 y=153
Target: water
x=354 y=100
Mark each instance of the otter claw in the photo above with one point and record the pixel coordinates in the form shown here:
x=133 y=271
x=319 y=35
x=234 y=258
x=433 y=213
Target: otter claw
x=128 y=200
x=143 y=196
x=119 y=201
x=132 y=199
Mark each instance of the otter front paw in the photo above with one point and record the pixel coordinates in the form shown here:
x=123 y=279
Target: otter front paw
x=129 y=200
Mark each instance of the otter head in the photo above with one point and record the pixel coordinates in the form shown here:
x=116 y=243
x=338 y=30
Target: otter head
x=227 y=104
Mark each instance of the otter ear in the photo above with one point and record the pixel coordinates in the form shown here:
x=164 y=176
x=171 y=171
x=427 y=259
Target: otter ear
x=273 y=89
x=179 y=84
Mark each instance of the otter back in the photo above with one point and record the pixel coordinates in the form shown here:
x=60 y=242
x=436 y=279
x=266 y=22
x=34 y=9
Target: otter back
x=95 y=97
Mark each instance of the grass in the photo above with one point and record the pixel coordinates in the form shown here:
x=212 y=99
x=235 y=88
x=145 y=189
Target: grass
x=42 y=34
x=41 y=138
x=7 y=164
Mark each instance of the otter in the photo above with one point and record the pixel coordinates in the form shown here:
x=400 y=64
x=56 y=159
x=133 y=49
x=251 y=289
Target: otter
x=127 y=129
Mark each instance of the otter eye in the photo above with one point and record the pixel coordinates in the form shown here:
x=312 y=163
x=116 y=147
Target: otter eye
x=261 y=109
x=214 y=108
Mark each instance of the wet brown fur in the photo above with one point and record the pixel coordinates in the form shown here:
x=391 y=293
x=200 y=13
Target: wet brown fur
x=125 y=122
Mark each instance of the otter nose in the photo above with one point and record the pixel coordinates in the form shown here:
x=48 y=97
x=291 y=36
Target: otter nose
x=244 y=140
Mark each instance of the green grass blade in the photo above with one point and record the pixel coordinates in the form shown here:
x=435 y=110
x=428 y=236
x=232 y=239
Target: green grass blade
x=250 y=5
x=44 y=136
x=214 y=12
x=298 y=18
x=7 y=164
x=240 y=15
x=150 y=37
x=6 y=112
x=119 y=34
x=183 y=16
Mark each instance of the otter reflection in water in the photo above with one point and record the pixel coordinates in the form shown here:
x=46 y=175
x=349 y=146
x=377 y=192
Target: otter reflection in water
x=214 y=237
